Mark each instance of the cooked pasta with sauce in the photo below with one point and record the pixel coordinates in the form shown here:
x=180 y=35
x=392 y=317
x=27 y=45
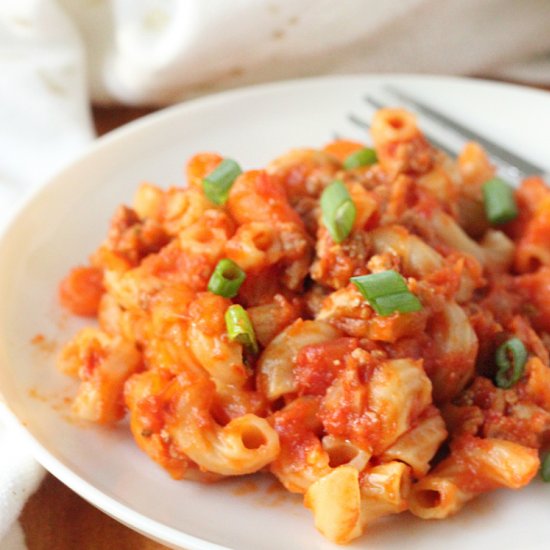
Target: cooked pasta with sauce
x=370 y=325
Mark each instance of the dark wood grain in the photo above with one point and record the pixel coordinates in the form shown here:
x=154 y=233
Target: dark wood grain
x=56 y=518
x=109 y=118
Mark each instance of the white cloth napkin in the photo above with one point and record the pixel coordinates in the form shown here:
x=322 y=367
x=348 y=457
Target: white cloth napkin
x=44 y=122
x=19 y=477
x=58 y=56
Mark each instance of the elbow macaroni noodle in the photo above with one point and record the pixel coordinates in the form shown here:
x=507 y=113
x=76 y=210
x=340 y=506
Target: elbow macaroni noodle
x=364 y=415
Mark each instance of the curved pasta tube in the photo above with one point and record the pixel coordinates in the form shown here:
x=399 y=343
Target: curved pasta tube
x=382 y=408
x=535 y=287
x=442 y=182
x=475 y=466
x=533 y=250
x=348 y=310
x=385 y=490
x=187 y=427
x=417 y=446
x=399 y=198
x=109 y=314
x=297 y=255
x=208 y=341
x=221 y=358
x=133 y=288
x=335 y=501
x=419 y=259
x=129 y=240
x=175 y=209
x=532 y=227
x=365 y=203
x=257 y=246
x=341 y=451
x=142 y=396
x=254 y=246
x=393 y=125
x=165 y=333
x=304 y=457
x=344 y=504
x=103 y=363
x=272 y=318
x=399 y=391
x=148 y=201
x=537 y=384
x=451 y=363
x=304 y=172
x=243 y=446
x=475 y=168
x=115 y=320
x=496 y=251
x=188 y=259
x=531 y=254
x=275 y=376
x=199 y=166
x=437 y=497
x=258 y=197
x=399 y=144
x=207 y=236
x=335 y=263
x=182 y=208
x=76 y=352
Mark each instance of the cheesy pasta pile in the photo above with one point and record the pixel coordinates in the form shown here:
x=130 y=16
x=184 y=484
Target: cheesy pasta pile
x=371 y=326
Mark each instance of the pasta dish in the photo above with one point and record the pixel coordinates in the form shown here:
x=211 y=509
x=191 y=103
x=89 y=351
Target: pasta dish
x=369 y=325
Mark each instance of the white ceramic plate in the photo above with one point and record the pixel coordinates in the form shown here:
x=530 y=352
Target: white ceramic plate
x=67 y=218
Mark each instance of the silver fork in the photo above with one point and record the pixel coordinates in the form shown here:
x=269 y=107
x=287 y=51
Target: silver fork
x=508 y=164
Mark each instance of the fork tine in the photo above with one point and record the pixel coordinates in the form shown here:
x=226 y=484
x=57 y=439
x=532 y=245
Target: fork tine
x=497 y=151
x=358 y=121
x=374 y=102
x=434 y=141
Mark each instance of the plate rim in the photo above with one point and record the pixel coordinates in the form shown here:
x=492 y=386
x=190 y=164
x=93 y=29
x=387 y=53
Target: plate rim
x=111 y=506
x=239 y=93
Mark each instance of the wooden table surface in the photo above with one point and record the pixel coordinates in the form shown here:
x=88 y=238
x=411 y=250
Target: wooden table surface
x=56 y=518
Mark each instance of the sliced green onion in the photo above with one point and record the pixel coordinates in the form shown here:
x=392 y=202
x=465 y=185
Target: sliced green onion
x=404 y=302
x=510 y=358
x=498 y=198
x=363 y=157
x=380 y=284
x=545 y=468
x=338 y=211
x=226 y=279
x=217 y=184
x=239 y=327
x=387 y=292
